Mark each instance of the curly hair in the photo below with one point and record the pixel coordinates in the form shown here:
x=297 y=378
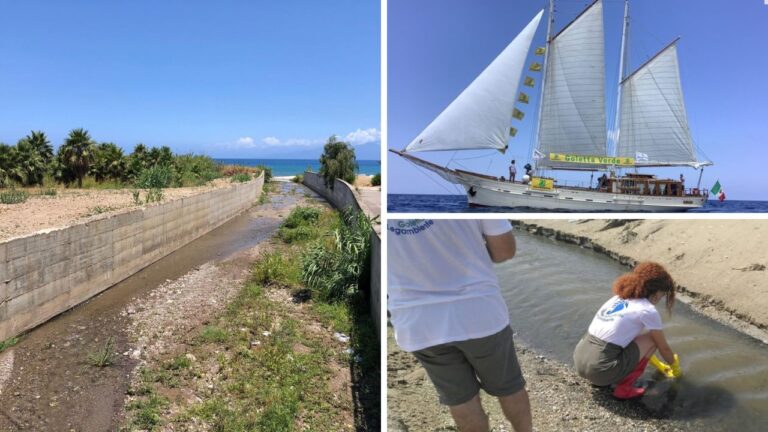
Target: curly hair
x=647 y=279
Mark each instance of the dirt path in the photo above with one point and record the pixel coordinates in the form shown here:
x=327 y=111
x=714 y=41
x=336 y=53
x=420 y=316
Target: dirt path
x=52 y=384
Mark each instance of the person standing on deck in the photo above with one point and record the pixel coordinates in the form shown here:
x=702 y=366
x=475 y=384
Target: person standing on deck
x=512 y=171
x=447 y=310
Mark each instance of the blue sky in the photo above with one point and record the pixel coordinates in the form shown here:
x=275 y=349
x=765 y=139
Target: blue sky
x=228 y=79
x=437 y=47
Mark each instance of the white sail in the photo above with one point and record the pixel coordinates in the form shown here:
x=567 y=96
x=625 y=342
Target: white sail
x=481 y=116
x=572 y=117
x=653 y=122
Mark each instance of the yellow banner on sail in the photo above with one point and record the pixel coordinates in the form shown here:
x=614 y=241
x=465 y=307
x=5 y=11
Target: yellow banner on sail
x=512 y=131
x=530 y=82
x=535 y=67
x=516 y=113
x=523 y=98
x=542 y=183
x=540 y=50
x=595 y=160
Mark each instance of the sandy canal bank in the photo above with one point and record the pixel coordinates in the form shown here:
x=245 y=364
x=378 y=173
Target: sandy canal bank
x=71 y=206
x=720 y=264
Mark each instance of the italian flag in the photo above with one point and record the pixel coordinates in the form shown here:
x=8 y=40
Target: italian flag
x=718 y=191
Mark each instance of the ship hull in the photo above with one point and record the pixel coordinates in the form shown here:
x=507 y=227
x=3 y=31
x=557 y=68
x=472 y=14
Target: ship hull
x=488 y=191
x=519 y=195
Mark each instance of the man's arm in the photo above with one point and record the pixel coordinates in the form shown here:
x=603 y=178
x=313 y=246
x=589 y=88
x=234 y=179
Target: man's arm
x=501 y=247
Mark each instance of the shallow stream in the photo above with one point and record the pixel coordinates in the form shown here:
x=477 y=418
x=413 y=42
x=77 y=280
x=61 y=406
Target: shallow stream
x=553 y=290
x=52 y=386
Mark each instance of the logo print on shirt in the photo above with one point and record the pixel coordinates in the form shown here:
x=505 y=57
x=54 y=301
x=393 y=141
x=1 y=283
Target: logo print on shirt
x=618 y=306
x=409 y=227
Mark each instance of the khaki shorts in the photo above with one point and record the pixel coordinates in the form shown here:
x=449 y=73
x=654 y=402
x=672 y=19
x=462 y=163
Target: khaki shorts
x=460 y=369
x=604 y=363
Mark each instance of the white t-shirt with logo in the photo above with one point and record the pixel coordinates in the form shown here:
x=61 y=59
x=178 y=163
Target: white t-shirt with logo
x=441 y=283
x=620 y=321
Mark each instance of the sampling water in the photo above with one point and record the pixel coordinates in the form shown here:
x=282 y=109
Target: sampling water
x=553 y=290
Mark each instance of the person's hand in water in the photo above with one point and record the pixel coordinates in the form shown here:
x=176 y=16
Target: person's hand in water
x=676 y=372
x=672 y=371
x=662 y=367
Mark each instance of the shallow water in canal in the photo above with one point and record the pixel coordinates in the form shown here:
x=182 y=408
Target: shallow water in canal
x=553 y=290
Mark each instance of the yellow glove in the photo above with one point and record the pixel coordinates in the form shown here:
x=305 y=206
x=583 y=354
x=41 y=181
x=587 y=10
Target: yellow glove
x=676 y=372
x=662 y=367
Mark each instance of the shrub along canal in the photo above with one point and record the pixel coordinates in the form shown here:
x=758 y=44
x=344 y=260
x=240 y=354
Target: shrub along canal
x=553 y=290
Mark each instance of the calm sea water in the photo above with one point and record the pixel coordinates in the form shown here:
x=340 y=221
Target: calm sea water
x=406 y=203
x=291 y=167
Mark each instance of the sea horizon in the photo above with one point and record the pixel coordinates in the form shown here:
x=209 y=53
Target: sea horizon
x=290 y=167
x=454 y=203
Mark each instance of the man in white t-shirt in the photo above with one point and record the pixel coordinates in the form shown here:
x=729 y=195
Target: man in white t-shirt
x=447 y=310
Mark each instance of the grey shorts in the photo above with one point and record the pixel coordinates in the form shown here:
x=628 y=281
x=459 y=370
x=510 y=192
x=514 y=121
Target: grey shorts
x=604 y=363
x=460 y=369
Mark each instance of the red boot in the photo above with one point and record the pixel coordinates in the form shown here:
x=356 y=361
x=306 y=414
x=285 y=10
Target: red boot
x=624 y=389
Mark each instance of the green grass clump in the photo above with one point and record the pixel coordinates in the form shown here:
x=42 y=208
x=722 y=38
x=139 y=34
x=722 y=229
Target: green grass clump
x=376 y=180
x=13 y=196
x=4 y=345
x=179 y=363
x=155 y=177
x=105 y=356
x=241 y=178
x=302 y=216
x=301 y=225
x=299 y=178
x=48 y=191
x=214 y=334
x=277 y=268
x=146 y=412
x=90 y=182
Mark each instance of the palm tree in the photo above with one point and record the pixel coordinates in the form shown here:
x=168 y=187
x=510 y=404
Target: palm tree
x=109 y=162
x=9 y=168
x=30 y=162
x=40 y=143
x=138 y=161
x=77 y=153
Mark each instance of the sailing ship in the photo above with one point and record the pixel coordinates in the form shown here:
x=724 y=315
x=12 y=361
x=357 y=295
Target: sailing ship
x=651 y=125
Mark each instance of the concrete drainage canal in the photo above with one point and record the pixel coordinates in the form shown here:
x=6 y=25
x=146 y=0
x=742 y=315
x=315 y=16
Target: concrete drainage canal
x=46 y=381
x=553 y=290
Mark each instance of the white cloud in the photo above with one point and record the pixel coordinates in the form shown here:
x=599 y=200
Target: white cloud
x=244 y=142
x=363 y=136
x=270 y=141
x=356 y=138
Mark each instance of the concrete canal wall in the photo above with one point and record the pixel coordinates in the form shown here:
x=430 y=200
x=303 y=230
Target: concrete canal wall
x=342 y=196
x=44 y=274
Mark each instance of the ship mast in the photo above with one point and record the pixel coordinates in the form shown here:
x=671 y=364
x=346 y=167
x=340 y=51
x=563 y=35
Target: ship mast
x=622 y=71
x=544 y=75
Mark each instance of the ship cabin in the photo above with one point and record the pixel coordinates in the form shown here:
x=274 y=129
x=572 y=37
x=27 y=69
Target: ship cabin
x=648 y=184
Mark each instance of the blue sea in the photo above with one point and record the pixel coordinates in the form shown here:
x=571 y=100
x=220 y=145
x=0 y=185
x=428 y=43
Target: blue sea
x=291 y=167
x=406 y=203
